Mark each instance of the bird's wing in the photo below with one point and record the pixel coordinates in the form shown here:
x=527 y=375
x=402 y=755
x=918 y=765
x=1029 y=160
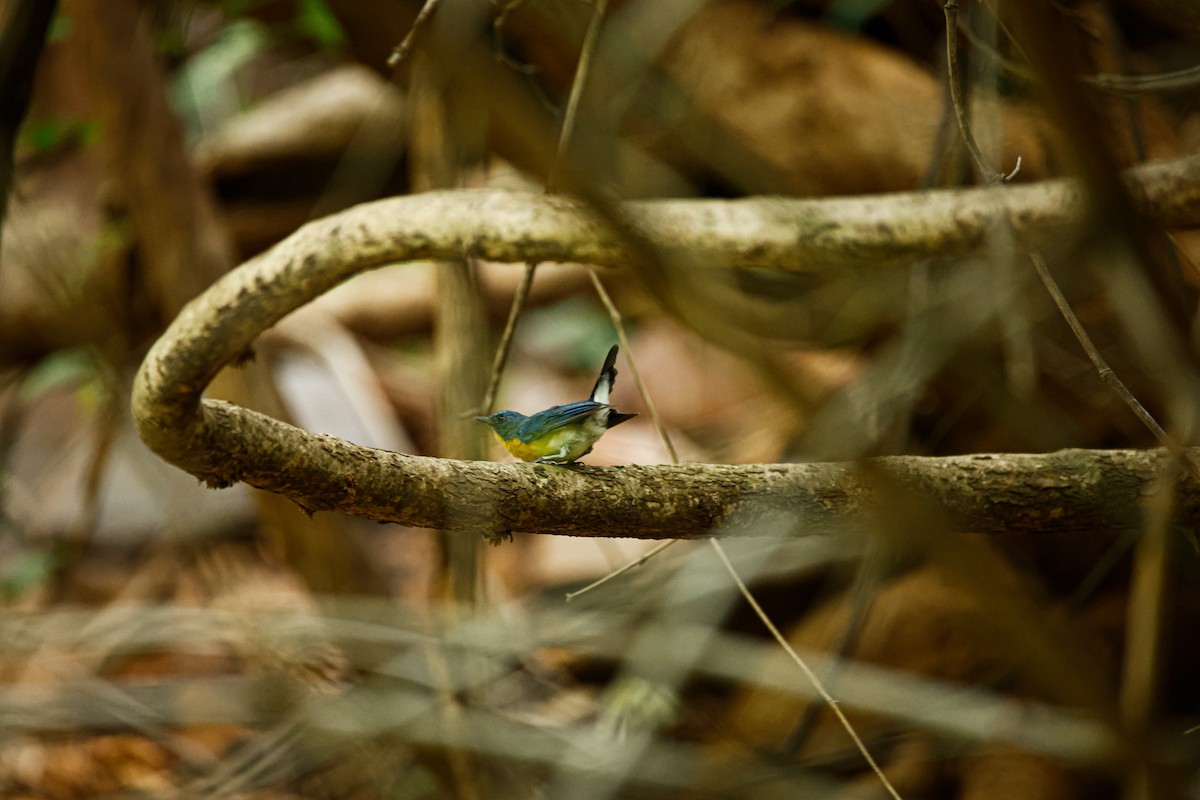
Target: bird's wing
x=543 y=422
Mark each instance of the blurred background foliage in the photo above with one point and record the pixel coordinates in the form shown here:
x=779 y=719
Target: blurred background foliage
x=163 y=640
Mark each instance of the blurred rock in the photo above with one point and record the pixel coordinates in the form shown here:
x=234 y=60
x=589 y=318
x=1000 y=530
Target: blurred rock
x=317 y=147
x=138 y=497
x=822 y=112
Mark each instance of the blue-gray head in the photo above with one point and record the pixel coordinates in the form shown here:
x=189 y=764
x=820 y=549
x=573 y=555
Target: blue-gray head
x=504 y=423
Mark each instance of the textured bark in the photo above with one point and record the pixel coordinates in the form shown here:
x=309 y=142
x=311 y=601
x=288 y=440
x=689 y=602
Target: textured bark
x=1071 y=491
x=222 y=444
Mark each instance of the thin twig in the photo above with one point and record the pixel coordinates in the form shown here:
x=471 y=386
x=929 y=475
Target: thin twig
x=960 y=106
x=637 y=562
x=1177 y=451
x=1178 y=81
x=506 y=336
x=589 y=47
x=808 y=673
x=1013 y=69
x=993 y=9
x=582 y=69
x=867 y=581
x=619 y=324
x=1105 y=371
x=615 y=315
x=648 y=401
x=401 y=52
x=741 y=584
x=1181 y=80
x=651 y=409
x=1131 y=104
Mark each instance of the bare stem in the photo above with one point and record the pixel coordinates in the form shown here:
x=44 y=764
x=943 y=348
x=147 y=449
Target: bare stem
x=514 y=312
x=637 y=562
x=590 y=39
x=960 y=106
x=582 y=70
x=808 y=673
x=652 y=410
x=619 y=324
x=402 y=50
x=1105 y=371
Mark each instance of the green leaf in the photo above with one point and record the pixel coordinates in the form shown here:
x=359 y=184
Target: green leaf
x=60 y=28
x=24 y=573
x=851 y=15
x=316 y=21
x=204 y=89
x=47 y=135
x=70 y=367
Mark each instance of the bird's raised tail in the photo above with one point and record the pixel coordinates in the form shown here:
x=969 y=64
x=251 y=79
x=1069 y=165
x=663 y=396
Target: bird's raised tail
x=608 y=375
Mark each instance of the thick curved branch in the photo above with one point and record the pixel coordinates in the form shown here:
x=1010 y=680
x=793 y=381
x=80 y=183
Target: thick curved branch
x=221 y=444
x=1068 y=491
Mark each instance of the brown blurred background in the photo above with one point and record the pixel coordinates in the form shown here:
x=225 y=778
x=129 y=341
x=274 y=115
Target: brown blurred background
x=164 y=640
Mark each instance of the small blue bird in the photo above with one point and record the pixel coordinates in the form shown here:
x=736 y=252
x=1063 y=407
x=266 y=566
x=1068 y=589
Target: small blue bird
x=561 y=434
